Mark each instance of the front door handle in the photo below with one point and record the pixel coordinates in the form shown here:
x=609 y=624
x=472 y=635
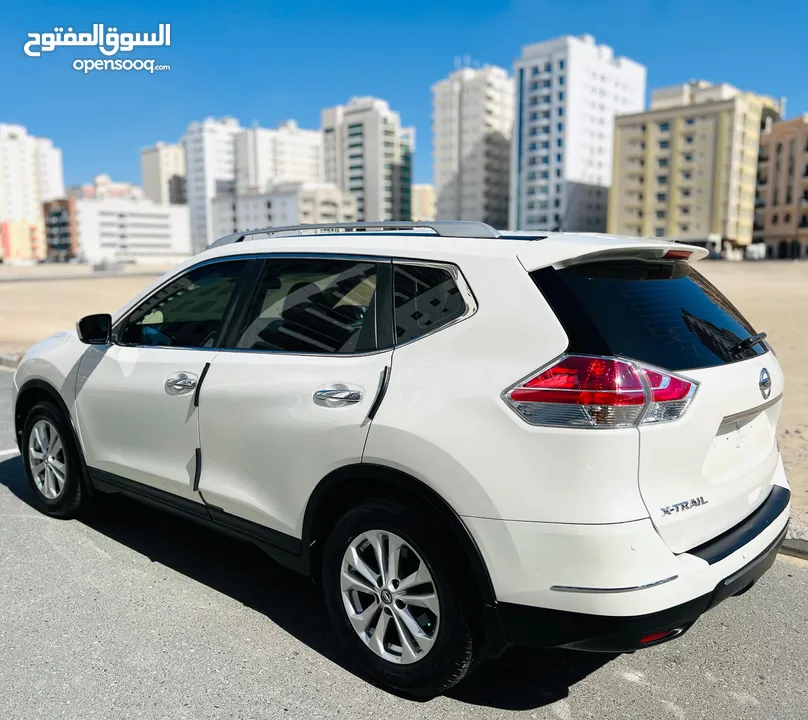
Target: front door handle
x=180 y=383
x=336 y=396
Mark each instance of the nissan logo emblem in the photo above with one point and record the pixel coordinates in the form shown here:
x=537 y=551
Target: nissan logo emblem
x=765 y=384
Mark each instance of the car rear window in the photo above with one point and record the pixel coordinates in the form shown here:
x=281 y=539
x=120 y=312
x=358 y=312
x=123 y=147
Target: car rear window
x=661 y=313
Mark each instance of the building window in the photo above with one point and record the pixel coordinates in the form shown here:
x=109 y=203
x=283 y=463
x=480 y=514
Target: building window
x=689 y=139
x=560 y=112
x=686 y=175
x=560 y=142
x=661 y=197
x=534 y=71
x=659 y=232
x=547 y=67
x=558 y=157
x=560 y=79
x=663 y=162
x=690 y=121
x=534 y=86
x=544 y=175
x=558 y=173
x=534 y=116
x=775 y=219
x=663 y=144
x=560 y=127
x=662 y=179
x=664 y=127
x=660 y=214
x=686 y=192
x=560 y=64
x=787 y=218
x=560 y=97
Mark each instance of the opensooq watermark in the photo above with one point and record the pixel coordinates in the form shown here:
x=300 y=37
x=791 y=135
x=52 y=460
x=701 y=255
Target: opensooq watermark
x=108 y=43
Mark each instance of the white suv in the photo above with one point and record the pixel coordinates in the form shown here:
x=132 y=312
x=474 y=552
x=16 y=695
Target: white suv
x=469 y=439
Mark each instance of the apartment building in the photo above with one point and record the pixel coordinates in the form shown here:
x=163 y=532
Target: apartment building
x=568 y=91
x=210 y=171
x=30 y=175
x=61 y=233
x=472 y=113
x=423 y=202
x=368 y=153
x=130 y=230
x=265 y=157
x=163 y=174
x=103 y=186
x=781 y=201
x=686 y=169
x=283 y=204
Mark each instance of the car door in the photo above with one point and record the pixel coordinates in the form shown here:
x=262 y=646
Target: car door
x=136 y=397
x=290 y=400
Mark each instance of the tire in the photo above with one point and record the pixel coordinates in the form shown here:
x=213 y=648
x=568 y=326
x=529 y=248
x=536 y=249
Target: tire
x=441 y=660
x=47 y=430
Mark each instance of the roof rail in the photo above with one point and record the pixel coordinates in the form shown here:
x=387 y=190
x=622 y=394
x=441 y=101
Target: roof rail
x=443 y=228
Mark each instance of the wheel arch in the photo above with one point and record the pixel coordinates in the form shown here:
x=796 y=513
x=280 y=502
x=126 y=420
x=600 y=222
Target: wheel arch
x=347 y=486
x=35 y=391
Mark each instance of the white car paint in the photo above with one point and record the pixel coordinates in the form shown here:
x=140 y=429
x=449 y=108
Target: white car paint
x=547 y=506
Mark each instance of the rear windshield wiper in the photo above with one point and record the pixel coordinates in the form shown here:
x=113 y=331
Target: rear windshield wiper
x=750 y=342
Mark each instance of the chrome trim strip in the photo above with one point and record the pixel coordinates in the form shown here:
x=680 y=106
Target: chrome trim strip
x=752 y=411
x=572 y=589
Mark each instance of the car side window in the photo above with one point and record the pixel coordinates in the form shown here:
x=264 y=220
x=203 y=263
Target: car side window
x=312 y=306
x=188 y=312
x=425 y=298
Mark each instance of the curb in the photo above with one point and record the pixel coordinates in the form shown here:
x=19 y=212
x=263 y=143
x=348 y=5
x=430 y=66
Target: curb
x=10 y=361
x=795 y=548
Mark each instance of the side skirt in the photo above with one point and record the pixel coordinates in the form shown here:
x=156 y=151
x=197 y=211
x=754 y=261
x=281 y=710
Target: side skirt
x=284 y=549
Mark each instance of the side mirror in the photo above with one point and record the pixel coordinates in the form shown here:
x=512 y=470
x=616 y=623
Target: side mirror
x=95 y=329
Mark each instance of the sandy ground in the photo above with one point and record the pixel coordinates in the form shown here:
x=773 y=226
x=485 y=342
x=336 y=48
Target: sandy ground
x=773 y=296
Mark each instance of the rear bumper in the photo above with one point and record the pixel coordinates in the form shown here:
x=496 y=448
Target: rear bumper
x=538 y=627
x=607 y=587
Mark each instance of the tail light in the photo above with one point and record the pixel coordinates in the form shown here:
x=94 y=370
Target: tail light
x=585 y=391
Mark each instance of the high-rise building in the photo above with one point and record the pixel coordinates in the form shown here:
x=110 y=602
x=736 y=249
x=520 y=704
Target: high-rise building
x=266 y=157
x=369 y=154
x=30 y=175
x=781 y=201
x=103 y=186
x=283 y=204
x=472 y=113
x=211 y=171
x=423 y=202
x=686 y=168
x=568 y=91
x=162 y=172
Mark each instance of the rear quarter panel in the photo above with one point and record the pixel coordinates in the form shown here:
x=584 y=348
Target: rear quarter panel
x=444 y=421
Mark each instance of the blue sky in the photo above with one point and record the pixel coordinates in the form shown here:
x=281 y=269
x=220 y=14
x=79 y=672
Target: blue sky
x=269 y=61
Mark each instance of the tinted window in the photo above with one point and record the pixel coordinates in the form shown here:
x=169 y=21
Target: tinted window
x=187 y=312
x=661 y=313
x=426 y=298
x=312 y=306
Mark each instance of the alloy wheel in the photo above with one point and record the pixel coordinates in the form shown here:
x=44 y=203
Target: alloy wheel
x=390 y=597
x=47 y=459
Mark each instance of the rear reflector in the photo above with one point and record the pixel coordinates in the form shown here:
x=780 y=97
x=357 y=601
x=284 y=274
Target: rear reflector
x=654 y=637
x=587 y=391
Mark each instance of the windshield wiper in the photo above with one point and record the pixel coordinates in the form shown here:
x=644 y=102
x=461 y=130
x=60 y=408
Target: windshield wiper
x=750 y=342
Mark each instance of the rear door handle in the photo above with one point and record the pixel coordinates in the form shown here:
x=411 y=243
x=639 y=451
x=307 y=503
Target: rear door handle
x=337 y=395
x=180 y=383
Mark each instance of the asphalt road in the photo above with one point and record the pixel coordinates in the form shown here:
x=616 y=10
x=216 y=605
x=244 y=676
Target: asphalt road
x=135 y=614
